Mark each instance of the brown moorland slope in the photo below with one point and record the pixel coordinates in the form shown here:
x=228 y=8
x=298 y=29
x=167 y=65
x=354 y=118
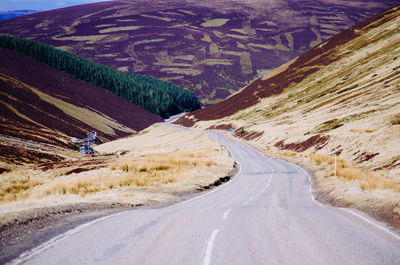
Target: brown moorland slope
x=340 y=98
x=287 y=75
x=41 y=105
x=212 y=48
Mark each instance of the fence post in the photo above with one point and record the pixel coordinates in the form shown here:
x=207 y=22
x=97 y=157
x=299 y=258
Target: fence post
x=335 y=167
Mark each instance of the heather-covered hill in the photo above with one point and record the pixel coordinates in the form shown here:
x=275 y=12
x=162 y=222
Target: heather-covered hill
x=210 y=47
x=41 y=105
x=154 y=95
x=340 y=98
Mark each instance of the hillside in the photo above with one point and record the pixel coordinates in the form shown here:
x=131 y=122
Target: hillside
x=212 y=48
x=42 y=105
x=341 y=97
x=154 y=95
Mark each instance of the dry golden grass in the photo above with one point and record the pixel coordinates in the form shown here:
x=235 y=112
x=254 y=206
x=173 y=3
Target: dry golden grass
x=354 y=101
x=363 y=131
x=16 y=186
x=116 y=29
x=395 y=119
x=289 y=153
x=159 y=169
x=151 y=170
x=347 y=171
x=218 y=22
x=155 y=165
x=185 y=71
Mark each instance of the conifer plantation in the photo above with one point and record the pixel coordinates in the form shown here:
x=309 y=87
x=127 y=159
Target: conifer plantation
x=156 y=96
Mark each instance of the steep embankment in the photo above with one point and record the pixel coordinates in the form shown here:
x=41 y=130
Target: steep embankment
x=212 y=48
x=341 y=97
x=47 y=106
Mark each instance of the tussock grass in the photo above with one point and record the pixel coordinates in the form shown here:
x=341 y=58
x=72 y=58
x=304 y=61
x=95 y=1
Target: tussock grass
x=395 y=119
x=289 y=153
x=363 y=130
x=367 y=180
x=151 y=170
x=159 y=169
x=17 y=186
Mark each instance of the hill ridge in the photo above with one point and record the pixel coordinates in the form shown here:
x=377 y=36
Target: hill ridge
x=212 y=48
x=333 y=90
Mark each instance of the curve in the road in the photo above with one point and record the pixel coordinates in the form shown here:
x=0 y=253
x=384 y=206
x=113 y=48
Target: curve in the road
x=265 y=215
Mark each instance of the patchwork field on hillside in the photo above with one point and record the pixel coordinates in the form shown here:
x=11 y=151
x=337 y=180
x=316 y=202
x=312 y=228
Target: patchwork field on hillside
x=212 y=48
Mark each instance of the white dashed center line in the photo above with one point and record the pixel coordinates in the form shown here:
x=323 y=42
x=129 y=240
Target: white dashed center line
x=210 y=246
x=226 y=214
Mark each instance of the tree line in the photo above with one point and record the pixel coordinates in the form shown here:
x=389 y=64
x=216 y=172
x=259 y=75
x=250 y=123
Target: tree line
x=154 y=95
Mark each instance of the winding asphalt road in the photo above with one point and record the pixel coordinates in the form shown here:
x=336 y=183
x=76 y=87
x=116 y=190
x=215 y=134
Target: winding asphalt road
x=265 y=215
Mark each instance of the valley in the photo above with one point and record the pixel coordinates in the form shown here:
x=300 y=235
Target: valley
x=293 y=157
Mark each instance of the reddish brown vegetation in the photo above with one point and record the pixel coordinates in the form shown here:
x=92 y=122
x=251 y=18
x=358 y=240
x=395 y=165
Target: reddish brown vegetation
x=240 y=132
x=221 y=127
x=33 y=130
x=318 y=141
x=19 y=155
x=363 y=157
x=305 y=65
x=176 y=36
x=28 y=134
x=337 y=150
x=395 y=163
x=247 y=135
x=29 y=72
x=26 y=144
x=82 y=165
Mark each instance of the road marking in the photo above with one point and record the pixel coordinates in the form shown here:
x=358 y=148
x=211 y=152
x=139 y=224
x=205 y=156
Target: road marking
x=249 y=200
x=372 y=223
x=42 y=247
x=226 y=214
x=264 y=189
x=210 y=246
x=310 y=190
x=212 y=191
x=352 y=212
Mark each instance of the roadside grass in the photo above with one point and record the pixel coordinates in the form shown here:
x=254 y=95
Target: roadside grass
x=395 y=119
x=16 y=186
x=289 y=153
x=158 y=169
x=367 y=180
x=144 y=171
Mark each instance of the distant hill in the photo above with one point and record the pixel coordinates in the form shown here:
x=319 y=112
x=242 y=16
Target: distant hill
x=42 y=108
x=15 y=13
x=212 y=48
x=341 y=97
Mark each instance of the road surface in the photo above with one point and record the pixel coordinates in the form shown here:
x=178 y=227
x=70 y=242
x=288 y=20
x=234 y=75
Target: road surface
x=265 y=215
